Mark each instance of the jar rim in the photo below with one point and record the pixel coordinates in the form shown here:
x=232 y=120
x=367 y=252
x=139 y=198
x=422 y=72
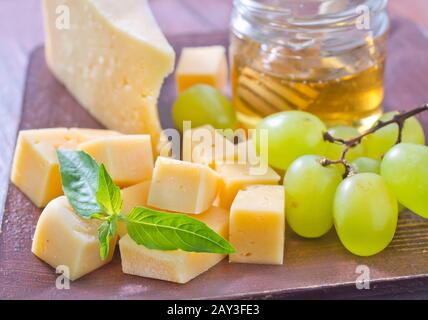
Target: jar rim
x=341 y=18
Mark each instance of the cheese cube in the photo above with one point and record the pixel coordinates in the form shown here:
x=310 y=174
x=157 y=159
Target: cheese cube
x=62 y=238
x=35 y=169
x=127 y=158
x=238 y=176
x=257 y=225
x=176 y=266
x=202 y=65
x=134 y=196
x=183 y=186
x=206 y=145
x=112 y=57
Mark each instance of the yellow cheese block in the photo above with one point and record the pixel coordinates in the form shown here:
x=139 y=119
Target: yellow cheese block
x=206 y=145
x=202 y=65
x=182 y=186
x=257 y=225
x=236 y=177
x=176 y=266
x=112 y=57
x=64 y=239
x=134 y=196
x=35 y=169
x=127 y=158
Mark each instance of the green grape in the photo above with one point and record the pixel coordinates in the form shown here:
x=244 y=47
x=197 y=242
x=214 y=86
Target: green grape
x=203 y=104
x=405 y=169
x=365 y=214
x=291 y=134
x=334 y=150
x=309 y=194
x=378 y=143
x=363 y=164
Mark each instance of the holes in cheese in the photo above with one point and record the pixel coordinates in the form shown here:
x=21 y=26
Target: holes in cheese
x=127 y=158
x=202 y=65
x=182 y=186
x=35 y=169
x=176 y=266
x=62 y=238
x=257 y=225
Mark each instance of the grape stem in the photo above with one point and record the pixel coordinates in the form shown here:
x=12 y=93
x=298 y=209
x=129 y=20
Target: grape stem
x=398 y=119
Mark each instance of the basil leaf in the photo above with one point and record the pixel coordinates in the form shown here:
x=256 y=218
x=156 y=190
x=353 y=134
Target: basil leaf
x=113 y=225
x=108 y=194
x=166 y=231
x=104 y=238
x=79 y=174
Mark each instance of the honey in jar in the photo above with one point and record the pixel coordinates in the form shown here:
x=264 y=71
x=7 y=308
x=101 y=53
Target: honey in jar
x=312 y=57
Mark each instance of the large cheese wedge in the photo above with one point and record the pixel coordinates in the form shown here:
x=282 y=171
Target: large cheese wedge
x=183 y=186
x=176 y=266
x=127 y=158
x=35 y=169
x=257 y=225
x=237 y=176
x=62 y=238
x=112 y=57
x=134 y=196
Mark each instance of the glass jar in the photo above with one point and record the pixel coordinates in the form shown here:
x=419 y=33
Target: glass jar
x=326 y=57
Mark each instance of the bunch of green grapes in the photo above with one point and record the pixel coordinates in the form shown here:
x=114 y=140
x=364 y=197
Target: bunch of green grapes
x=363 y=207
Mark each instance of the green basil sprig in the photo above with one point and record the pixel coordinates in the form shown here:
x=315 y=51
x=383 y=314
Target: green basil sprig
x=93 y=195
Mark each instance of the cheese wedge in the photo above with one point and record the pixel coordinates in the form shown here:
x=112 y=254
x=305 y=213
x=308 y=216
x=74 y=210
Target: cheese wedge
x=62 y=238
x=112 y=57
x=237 y=177
x=127 y=158
x=35 y=168
x=202 y=65
x=257 y=225
x=182 y=186
x=176 y=266
x=134 y=196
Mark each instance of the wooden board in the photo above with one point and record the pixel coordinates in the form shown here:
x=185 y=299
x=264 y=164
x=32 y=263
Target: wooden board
x=313 y=268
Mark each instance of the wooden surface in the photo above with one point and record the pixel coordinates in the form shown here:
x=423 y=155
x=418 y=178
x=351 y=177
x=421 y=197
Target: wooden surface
x=21 y=31
x=313 y=268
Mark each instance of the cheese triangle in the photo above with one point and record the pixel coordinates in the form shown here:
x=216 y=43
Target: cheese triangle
x=112 y=57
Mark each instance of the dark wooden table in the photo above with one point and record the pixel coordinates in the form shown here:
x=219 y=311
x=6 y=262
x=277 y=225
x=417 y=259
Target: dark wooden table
x=21 y=31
